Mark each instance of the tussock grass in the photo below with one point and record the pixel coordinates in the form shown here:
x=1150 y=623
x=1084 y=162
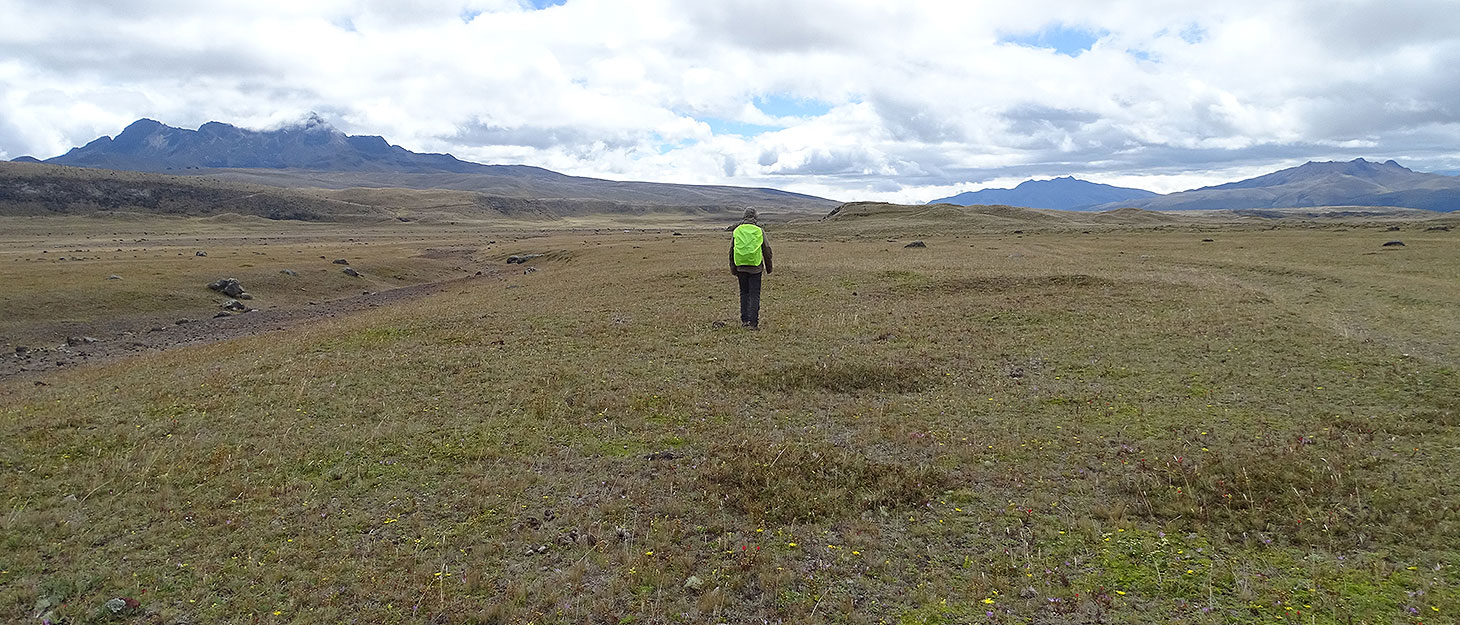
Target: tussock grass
x=835 y=377
x=808 y=482
x=1049 y=428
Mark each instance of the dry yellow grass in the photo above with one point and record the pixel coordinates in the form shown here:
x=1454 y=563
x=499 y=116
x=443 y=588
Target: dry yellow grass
x=1052 y=427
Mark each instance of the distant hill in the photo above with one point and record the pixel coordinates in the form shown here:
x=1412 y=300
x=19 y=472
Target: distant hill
x=1060 y=194
x=34 y=189
x=315 y=154
x=1353 y=183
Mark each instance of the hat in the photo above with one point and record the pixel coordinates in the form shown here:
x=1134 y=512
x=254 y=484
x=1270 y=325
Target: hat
x=750 y=214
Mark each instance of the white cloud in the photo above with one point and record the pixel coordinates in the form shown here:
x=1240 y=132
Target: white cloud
x=922 y=98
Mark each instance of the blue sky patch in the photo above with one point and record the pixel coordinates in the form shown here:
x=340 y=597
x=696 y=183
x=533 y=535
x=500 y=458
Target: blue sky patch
x=1144 y=55
x=1062 y=39
x=1194 y=34
x=731 y=127
x=663 y=146
x=467 y=15
x=777 y=105
x=538 y=5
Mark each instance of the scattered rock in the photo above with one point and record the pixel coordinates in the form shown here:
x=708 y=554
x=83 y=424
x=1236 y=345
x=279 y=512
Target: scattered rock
x=1392 y=229
x=340 y=261
x=518 y=259
x=916 y=244
x=74 y=341
x=678 y=234
x=529 y=270
x=1437 y=229
x=694 y=583
x=350 y=271
x=662 y=455
x=114 y=277
x=245 y=296
x=119 y=606
x=289 y=272
x=221 y=315
x=1394 y=244
x=717 y=324
x=183 y=321
x=234 y=305
x=200 y=253
x=21 y=349
x=1208 y=240
x=227 y=286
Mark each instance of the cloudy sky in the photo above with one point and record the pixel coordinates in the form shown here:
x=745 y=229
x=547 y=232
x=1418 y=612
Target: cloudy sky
x=848 y=99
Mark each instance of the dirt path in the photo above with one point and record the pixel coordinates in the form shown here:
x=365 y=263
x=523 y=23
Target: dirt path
x=117 y=340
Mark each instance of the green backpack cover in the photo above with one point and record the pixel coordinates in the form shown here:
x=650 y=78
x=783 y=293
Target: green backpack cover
x=748 y=238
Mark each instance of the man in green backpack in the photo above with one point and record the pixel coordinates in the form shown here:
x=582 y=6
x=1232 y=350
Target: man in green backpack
x=749 y=252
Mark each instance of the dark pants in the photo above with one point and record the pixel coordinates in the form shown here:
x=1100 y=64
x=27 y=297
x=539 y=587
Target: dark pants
x=749 y=298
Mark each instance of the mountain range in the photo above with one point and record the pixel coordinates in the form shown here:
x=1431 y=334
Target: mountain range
x=1353 y=183
x=1060 y=194
x=1331 y=183
x=315 y=154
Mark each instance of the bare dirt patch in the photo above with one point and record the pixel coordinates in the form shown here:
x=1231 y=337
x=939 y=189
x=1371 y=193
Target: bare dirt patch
x=107 y=340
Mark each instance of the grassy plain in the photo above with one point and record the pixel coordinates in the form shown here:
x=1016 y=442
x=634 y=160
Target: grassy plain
x=1121 y=426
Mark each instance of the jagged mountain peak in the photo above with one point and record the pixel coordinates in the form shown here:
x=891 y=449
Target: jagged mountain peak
x=309 y=143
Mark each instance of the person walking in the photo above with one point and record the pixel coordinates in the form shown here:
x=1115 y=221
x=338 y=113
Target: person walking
x=750 y=254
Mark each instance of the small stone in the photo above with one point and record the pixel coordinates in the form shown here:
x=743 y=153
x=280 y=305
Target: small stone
x=916 y=244
x=234 y=305
x=289 y=272
x=1394 y=244
x=21 y=349
x=221 y=315
x=245 y=296
x=1392 y=229
x=350 y=271
x=74 y=341
x=200 y=253
x=1208 y=240
x=341 y=261
x=227 y=286
x=694 y=583
x=183 y=321
x=114 y=277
